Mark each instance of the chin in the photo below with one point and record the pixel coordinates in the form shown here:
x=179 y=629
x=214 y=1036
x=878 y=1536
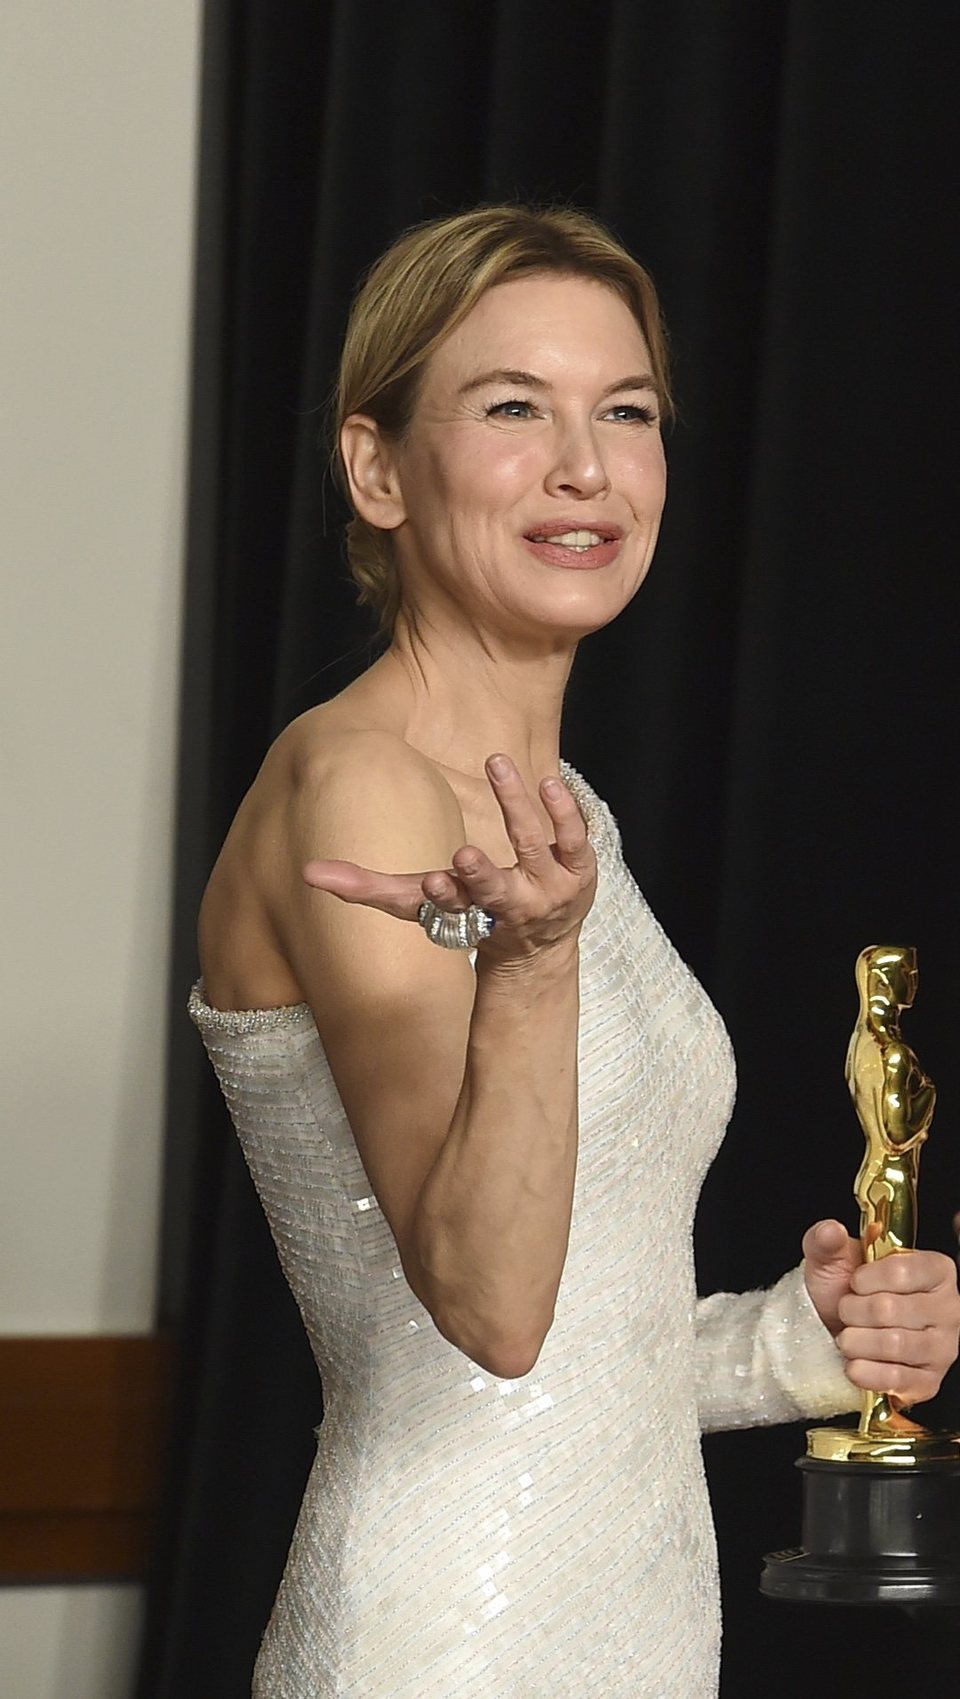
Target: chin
x=589 y=606
x=579 y=621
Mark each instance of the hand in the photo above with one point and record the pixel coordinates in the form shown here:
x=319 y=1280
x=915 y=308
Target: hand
x=538 y=902
x=896 y=1321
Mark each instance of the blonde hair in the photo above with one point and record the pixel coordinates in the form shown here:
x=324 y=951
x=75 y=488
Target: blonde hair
x=419 y=290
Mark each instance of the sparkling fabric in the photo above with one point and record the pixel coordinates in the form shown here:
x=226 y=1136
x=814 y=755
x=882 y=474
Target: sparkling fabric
x=464 y=1537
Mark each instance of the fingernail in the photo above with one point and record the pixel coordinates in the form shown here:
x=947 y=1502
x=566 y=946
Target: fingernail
x=499 y=766
x=552 y=787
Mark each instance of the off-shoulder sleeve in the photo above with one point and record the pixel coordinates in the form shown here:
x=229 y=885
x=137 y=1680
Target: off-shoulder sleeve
x=765 y=1357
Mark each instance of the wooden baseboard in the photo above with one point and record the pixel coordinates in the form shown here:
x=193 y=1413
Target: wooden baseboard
x=83 y=1428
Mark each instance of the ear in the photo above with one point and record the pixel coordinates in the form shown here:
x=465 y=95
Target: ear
x=369 y=462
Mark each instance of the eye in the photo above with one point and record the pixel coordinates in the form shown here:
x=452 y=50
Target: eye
x=513 y=409
x=630 y=414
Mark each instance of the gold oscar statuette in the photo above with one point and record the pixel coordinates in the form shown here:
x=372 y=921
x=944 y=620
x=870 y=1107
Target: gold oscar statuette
x=881 y=1501
x=894 y=1101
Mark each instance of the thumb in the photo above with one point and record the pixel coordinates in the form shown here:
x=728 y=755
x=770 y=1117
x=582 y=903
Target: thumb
x=829 y=1259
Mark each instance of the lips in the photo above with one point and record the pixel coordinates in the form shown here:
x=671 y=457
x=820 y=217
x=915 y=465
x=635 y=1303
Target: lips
x=567 y=524
x=586 y=543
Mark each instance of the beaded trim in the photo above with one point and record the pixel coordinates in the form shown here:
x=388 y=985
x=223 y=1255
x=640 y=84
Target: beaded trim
x=592 y=809
x=241 y=1021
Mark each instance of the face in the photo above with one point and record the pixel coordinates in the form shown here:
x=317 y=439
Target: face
x=532 y=478
x=901 y=977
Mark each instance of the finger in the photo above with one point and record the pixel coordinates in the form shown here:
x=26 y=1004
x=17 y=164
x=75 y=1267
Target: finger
x=519 y=817
x=572 y=846
x=399 y=894
x=893 y=1309
x=911 y=1346
x=909 y=1385
x=827 y=1242
x=482 y=880
x=905 y=1271
x=447 y=890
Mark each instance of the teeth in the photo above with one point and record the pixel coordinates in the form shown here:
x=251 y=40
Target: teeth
x=576 y=539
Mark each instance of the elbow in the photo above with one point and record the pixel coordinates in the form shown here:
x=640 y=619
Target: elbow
x=507 y=1354
x=511 y=1361
x=494 y=1324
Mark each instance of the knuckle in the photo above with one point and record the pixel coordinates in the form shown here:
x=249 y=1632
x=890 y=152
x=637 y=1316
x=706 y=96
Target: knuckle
x=885 y=1309
x=564 y=800
x=937 y=1362
x=571 y=845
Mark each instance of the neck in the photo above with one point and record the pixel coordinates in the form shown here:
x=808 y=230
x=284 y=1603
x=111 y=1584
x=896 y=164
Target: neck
x=461 y=695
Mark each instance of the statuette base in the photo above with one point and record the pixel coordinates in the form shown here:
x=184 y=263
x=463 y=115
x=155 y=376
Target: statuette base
x=847 y=1445
x=874 y=1532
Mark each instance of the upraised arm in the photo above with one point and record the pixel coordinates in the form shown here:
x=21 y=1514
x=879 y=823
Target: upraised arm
x=460 y=1088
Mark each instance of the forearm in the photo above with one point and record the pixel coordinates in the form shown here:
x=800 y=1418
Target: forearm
x=493 y=1216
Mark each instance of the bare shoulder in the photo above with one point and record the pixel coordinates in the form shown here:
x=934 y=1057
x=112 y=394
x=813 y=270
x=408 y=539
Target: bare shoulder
x=351 y=792
x=325 y=790
x=376 y=984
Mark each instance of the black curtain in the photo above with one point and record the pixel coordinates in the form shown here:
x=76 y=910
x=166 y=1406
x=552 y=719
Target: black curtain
x=771 y=720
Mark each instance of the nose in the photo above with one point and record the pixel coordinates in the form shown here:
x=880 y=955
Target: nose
x=578 y=468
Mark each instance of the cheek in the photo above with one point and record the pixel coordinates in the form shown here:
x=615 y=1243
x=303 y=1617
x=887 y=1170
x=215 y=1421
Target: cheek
x=644 y=476
x=496 y=470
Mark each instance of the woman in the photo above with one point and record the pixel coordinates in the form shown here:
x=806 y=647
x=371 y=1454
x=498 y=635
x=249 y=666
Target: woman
x=481 y=1162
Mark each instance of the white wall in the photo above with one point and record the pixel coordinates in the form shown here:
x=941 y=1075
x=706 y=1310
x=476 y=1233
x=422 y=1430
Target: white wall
x=69 y=1643
x=98 y=133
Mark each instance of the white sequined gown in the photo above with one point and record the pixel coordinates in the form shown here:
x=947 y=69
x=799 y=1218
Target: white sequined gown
x=464 y=1537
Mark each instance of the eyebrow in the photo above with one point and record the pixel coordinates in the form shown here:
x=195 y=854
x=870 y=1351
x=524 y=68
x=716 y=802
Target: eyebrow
x=528 y=380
